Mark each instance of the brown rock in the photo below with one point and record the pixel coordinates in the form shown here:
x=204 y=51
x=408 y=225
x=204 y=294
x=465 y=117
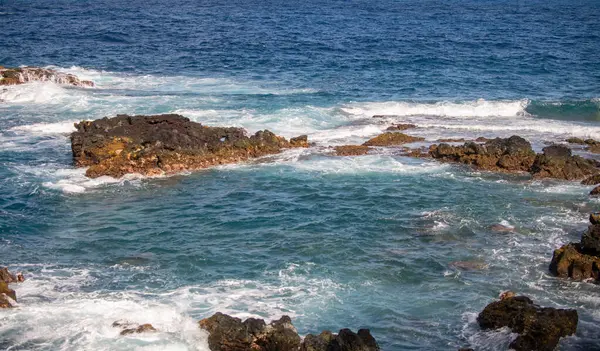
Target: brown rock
x=570 y=261
x=556 y=161
x=593 y=180
x=6 y=276
x=590 y=240
x=595 y=191
x=450 y=140
x=154 y=145
x=351 y=150
x=575 y=141
x=391 y=139
x=595 y=218
x=401 y=126
x=539 y=328
x=144 y=328
x=509 y=155
x=21 y=75
x=300 y=141
x=482 y=139
x=5 y=293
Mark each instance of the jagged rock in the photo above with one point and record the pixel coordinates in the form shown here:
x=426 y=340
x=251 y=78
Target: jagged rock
x=401 y=126
x=133 y=328
x=595 y=191
x=227 y=333
x=5 y=293
x=300 y=141
x=511 y=155
x=556 y=161
x=6 y=276
x=351 y=150
x=593 y=180
x=390 y=139
x=21 y=75
x=595 y=218
x=570 y=261
x=154 y=145
x=539 y=328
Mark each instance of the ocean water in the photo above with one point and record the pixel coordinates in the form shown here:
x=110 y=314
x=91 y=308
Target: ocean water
x=333 y=242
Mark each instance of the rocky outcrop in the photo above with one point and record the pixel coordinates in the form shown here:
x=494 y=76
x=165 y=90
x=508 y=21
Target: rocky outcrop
x=351 y=150
x=7 y=295
x=401 y=126
x=580 y=261
x=165 y=144
x=21 y=75
x=557 y=161
x=510 y=155
x=593 y=180
x=539 y=328
x=592 y=145
x=8 y=277
x=391 y=139
x=595 y=191
x=227 y=333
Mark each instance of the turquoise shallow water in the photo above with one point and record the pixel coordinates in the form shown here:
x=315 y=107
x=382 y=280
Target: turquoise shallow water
x=333 y=242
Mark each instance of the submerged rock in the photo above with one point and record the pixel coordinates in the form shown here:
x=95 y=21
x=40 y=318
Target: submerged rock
x=539 y=328
x=227 y=333
x=132 y=328
x=401 y=126
x=390 y=139
x=513 y=154
x=557 y=161
x=154 y=145
x=21 y=75
x=351 y=150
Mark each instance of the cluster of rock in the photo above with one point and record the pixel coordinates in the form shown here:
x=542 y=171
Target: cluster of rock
x=227 y=333
x=8 y=297
x=22 y=75
x=539 y=328
x=580 y=261
x=592 y=145
x=166 y=144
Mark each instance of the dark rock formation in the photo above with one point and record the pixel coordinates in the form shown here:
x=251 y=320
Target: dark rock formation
x=227 y=333
x=575 y=140
x=570 y=261
x=539 y=328
x=580 y=261
x=351 y=150
x=451 y=140
x=510 y=155
x=595 y=191
x=593 y=180
x=154 y=145
x=401 y=126
x=14 y=76
x=132 y=328
x=390 y=139
x=556 y=161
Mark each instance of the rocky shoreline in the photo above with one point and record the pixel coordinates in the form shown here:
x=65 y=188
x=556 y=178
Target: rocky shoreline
x=22 y=75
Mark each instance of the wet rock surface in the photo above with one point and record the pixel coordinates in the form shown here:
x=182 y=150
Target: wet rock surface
x=391 y=139
x=351 y=150
x=227 y=333
x=132 y=328
x=580 y=261
x=22 y=75
x=165 y=144
x=7 y=295
x=539 y=328
x=557 y=161
x=513 y=154
x=401 y=126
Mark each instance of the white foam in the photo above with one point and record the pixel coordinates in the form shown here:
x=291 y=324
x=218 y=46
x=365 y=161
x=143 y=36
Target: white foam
x=478 y=108
x=47 y=128
x=35 y=92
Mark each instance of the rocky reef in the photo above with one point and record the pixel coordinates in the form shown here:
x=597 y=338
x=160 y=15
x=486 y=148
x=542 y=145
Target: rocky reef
x=539 y=328
x=391 y=139
x=580 y=261
x=165 y=144
x=510 y=155
x=557 y=161
x=351 y=150
x=227 y=333
x=21 y=75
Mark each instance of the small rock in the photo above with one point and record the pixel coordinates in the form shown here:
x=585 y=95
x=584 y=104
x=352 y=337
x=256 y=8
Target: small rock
x=300 y=141
x=6 y=276
x=595 y=217
x=590 y=240
x=593 y=180
x=351 y=150
x=144 y=328
x=7 y=295
x=570 y=261
x=391 y=139
x=575 y=141
x=507 y=295
x=595 y=191
x=401 y=126
x=556 y=161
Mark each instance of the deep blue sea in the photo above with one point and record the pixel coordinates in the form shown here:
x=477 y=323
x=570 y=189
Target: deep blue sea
x=333 y=242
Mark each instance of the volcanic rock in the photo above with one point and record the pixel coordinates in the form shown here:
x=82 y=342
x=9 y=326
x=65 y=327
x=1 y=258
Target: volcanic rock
x=227 y=333
x=556 y=161
x=593 y=180
x=154 y=145
x=539 y=328
x=390 y=139
x=570 y=261
x=511 y=155
x=21 y=75
x=351 y=150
